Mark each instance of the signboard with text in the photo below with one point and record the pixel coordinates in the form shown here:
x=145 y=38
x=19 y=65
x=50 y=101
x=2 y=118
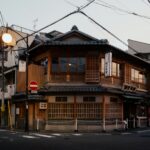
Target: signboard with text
x=108 y=64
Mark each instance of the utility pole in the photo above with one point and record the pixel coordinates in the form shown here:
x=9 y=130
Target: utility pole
x=26 y=100
x=3 y=88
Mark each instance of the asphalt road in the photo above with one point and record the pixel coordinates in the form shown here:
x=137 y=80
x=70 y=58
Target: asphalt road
x=11 y=140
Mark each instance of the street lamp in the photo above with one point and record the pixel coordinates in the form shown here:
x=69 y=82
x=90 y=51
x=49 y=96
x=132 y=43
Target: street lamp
x=7 y=39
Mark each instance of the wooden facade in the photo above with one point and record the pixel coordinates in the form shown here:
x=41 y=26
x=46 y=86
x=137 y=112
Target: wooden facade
x=70 y=71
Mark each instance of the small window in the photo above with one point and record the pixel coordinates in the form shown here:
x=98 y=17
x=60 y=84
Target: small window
x=113 y=99
x=61 y=99
x=55 y=64
x=89 y=99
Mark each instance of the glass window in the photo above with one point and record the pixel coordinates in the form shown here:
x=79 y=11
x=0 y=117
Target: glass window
x=89 y=99
x=115 y=69
x=55 y=64
x=63 y=64
x=102 y=65
x=81 y=64
x=72 y=64
x=137 y=76
x=61 y=99
x=68 y=64
x=44 y=62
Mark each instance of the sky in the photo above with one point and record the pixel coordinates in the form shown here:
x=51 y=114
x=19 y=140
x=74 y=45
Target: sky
x=36 y=14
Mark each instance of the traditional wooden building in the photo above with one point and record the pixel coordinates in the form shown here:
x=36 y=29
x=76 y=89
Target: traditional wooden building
x=84 y=84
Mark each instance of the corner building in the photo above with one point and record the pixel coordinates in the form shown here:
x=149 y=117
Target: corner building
x=84 y=84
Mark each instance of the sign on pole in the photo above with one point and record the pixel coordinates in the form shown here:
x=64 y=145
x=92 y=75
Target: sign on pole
x=33 y=86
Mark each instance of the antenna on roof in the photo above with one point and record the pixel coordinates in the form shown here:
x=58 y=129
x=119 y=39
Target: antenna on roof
x=2 y=19
x=35 y=23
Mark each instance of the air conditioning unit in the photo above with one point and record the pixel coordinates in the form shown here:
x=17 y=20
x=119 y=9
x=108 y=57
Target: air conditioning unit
x=42 y=105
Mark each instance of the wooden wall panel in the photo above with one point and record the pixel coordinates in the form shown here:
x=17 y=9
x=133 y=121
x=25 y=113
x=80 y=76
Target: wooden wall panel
x=127 y=75
x=35 y=73
x=21 y=81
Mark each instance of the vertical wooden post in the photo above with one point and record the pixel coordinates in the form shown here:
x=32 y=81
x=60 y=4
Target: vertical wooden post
x=49 y=68
x=122 y=110
x=104 y=114
x=75 y=114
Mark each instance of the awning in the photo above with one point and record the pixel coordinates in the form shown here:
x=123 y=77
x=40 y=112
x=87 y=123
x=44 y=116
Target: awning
x=132 y=97
x=21 y=97
x=68 y=89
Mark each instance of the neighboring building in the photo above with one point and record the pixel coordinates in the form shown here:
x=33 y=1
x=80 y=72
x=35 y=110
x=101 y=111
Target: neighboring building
x=10 y=69
x=83 y=84
x=141 y=49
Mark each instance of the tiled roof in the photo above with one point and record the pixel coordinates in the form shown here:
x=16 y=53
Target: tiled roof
x=71 y=89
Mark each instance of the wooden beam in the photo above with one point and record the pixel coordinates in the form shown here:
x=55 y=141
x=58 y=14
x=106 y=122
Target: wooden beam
x=104 y=113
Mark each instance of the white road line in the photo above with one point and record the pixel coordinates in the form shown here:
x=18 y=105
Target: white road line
x=57 y=134
x=2 y=130
x=126 y=133
x=29 y=136
x=77 y=134
x=43 y=135
x=104 y=134
x=142 y=131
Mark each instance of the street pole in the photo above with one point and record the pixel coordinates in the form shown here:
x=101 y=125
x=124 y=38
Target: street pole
x=2 y=90
x=26 y=100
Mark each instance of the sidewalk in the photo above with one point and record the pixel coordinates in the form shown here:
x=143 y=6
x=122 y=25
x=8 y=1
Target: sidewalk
x=113 y=132
x=132 y=130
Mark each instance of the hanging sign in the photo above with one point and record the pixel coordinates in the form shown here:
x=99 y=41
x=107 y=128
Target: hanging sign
x=108 y=64
x=22 y=66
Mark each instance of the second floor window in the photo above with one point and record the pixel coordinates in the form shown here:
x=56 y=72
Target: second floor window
x=89 y=99
x=137 y=76
x=61 y=99
x=115 y=69
x=68 y=64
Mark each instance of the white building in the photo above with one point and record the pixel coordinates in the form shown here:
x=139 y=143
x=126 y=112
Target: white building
x=11 y=55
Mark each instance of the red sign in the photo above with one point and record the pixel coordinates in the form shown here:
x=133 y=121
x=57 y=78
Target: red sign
x=33 y=86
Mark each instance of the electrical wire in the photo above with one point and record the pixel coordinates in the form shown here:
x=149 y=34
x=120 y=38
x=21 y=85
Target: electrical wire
x=143 y=1
x=113 y=7
x=107 y=30
x=81 y=12
x=71 y=13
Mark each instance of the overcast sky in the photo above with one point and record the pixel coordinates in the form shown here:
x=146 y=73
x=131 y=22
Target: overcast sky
x=123 y=25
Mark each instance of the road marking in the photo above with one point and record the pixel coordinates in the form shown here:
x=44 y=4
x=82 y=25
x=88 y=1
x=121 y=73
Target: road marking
x=143 y=131
x=103 y=134
x=77 y=134
x=2 y=130
x=43 y=135
x=29 y=136
x=56 y=134
x=126 y=133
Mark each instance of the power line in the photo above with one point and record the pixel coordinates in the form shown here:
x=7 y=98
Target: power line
x=113 y=7
x=71 y=4
x=89 y=3
x=143 y=1
x=107 y=30
x=71 y=13
x=81 y=12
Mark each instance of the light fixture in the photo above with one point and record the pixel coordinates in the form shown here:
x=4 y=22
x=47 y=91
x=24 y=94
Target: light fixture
x=7 y=38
